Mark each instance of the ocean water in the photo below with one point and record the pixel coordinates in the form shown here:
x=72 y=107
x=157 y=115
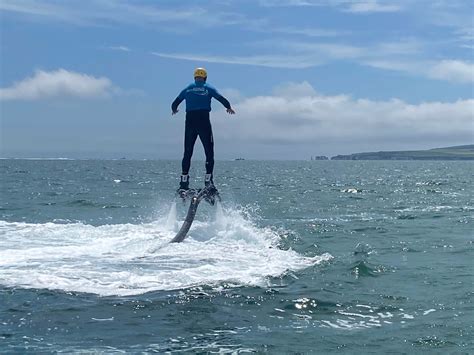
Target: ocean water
x=300 y=257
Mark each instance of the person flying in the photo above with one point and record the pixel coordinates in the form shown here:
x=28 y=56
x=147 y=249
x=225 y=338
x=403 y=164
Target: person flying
x=198 y=97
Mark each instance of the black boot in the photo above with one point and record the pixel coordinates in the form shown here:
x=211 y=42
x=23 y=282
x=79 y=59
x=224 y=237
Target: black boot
x=208 y=181
x=183 y=185
x=212 y=192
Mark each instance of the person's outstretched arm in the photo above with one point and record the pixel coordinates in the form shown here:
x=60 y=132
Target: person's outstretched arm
x=177 y=101
x=222 y=100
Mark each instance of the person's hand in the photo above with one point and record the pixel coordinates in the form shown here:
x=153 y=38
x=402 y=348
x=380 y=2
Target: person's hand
x=230 y=111
x=174 y=112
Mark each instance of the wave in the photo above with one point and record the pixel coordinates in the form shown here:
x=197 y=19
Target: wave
x=132 y=259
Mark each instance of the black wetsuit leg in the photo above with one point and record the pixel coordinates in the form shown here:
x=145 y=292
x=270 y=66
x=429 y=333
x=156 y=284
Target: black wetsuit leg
x=198 y=123
x=207 y=140
x=190 y=136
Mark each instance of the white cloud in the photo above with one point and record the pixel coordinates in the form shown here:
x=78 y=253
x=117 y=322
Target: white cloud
x=453 y=70
x=292 y=90
x=297 y=114
x=56 y=83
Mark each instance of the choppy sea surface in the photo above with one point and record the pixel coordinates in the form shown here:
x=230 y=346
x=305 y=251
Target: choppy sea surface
x=300 y=257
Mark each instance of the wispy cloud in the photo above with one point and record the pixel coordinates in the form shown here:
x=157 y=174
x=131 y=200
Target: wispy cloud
x=448 y=13
x=109 y=12
x=103 y=12
x=357 y=7
x=292 y=45
x=119 y=48
x=42 y=10
x=403 y=56
x=303 y=31
x=271 y=60
x=58 y=83
x=327 y=51
x=287 y=3
x=465 y=37
x=456 y=71
x=281 y=54
x=456 y=16
x=370 y=6
x=396 y=65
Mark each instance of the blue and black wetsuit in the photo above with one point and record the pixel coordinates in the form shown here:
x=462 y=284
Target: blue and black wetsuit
x=198 y=97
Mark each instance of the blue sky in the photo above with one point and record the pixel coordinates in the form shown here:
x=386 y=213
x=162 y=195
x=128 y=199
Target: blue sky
x=96 y=78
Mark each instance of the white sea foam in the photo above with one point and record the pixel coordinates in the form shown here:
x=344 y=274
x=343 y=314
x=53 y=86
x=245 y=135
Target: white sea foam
x=129 y=259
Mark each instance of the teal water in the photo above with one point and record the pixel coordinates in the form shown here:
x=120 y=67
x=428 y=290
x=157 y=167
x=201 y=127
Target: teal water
x=300 y=257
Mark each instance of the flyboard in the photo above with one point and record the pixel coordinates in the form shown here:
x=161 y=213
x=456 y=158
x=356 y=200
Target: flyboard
x=208 y=193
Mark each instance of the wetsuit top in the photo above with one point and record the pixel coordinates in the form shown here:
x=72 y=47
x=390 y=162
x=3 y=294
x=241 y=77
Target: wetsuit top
x=198 y=96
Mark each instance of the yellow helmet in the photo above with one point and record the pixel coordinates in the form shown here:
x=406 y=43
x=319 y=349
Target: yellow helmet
x=200 y=72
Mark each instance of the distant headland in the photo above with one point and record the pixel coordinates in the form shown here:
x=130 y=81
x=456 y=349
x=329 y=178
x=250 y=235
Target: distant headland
x=461 y=152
